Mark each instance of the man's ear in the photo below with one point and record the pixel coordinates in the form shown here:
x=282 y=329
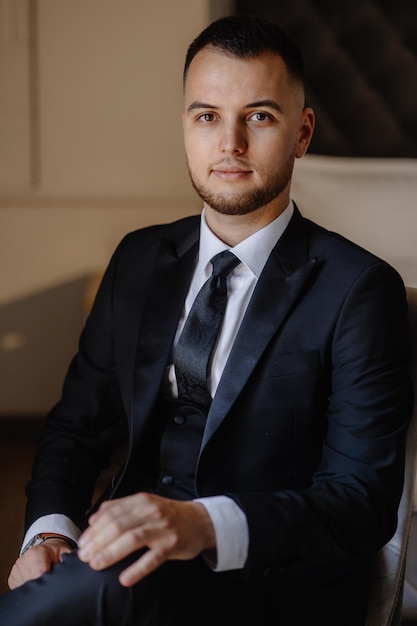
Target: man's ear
x=305 y=131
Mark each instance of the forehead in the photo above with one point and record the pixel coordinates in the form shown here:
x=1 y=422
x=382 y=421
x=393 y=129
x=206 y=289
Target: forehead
x=218 y=74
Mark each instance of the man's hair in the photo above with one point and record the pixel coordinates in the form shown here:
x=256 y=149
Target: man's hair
x=247 y=37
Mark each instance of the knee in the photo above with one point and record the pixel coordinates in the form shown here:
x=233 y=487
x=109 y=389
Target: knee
x=97 y=597
x=101 y=587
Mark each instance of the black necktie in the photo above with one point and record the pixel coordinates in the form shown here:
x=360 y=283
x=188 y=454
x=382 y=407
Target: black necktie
x=196 y=342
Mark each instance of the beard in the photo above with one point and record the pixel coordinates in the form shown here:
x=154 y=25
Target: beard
x=247 y=201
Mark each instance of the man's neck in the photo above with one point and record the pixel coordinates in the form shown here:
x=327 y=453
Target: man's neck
x=232 y=229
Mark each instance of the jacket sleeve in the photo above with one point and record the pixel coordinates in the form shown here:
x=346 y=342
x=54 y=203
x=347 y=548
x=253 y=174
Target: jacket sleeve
x=86 y=425
x=349 y=510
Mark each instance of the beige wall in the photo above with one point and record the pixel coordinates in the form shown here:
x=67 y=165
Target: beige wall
x=106 y=153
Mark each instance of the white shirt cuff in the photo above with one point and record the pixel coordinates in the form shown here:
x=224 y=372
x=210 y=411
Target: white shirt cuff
x=54 y=523
x=232 y=532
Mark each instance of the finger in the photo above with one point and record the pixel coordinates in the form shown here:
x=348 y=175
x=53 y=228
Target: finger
x=106 y=528
x=114 y=519
x=130 y=540
x=147 y=563
x=122 y=546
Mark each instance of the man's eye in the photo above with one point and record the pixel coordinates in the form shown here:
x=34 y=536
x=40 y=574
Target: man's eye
x=259 y=116
x=206 y=117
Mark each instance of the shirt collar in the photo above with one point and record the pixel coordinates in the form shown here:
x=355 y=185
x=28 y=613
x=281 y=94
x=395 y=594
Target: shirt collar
x=252 y=251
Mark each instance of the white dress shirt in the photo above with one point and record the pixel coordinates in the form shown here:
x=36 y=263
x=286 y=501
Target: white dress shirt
x=229 y=521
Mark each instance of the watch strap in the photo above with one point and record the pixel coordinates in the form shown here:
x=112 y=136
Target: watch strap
x=40 y=538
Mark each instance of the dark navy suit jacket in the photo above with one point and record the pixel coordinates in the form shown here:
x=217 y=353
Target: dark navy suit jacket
x=306 y=431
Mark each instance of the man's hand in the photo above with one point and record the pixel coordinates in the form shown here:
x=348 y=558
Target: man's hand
x=170 y=529
x=36 y=561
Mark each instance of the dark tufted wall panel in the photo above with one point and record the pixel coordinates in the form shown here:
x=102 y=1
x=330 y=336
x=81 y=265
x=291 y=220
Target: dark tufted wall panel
x=361 y=71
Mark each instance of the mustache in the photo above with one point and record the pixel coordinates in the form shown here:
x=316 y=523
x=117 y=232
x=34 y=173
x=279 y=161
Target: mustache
x=232 y=162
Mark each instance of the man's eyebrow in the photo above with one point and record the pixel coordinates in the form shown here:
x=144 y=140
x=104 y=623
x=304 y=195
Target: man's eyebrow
x=270 y=104
x=200 y=105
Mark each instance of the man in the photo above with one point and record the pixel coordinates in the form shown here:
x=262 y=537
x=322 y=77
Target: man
x=266 y=502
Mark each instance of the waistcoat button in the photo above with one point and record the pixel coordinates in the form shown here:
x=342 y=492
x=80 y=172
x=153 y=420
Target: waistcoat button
x=179 y=419
x=167 y=480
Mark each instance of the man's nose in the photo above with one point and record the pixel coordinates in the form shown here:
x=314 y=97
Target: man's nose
x=233 y=139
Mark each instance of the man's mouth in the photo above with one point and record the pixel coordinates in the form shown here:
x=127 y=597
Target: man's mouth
x=231 y=172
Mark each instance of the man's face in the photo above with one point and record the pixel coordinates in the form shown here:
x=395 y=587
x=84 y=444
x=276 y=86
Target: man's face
x=244 y=125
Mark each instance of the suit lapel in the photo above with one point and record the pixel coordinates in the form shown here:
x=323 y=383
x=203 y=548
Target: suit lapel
x=171 y=275
x=278 y=287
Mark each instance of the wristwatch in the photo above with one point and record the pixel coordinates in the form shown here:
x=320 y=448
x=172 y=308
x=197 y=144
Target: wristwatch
x=41 y=537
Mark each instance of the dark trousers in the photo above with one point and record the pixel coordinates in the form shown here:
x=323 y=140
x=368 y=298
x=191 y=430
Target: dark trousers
x=179 y=593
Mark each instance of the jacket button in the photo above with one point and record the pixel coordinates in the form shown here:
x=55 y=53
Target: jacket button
x=179 y=419
x=167 y=480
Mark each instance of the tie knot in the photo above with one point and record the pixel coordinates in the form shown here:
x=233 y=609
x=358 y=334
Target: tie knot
x=223 y=263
